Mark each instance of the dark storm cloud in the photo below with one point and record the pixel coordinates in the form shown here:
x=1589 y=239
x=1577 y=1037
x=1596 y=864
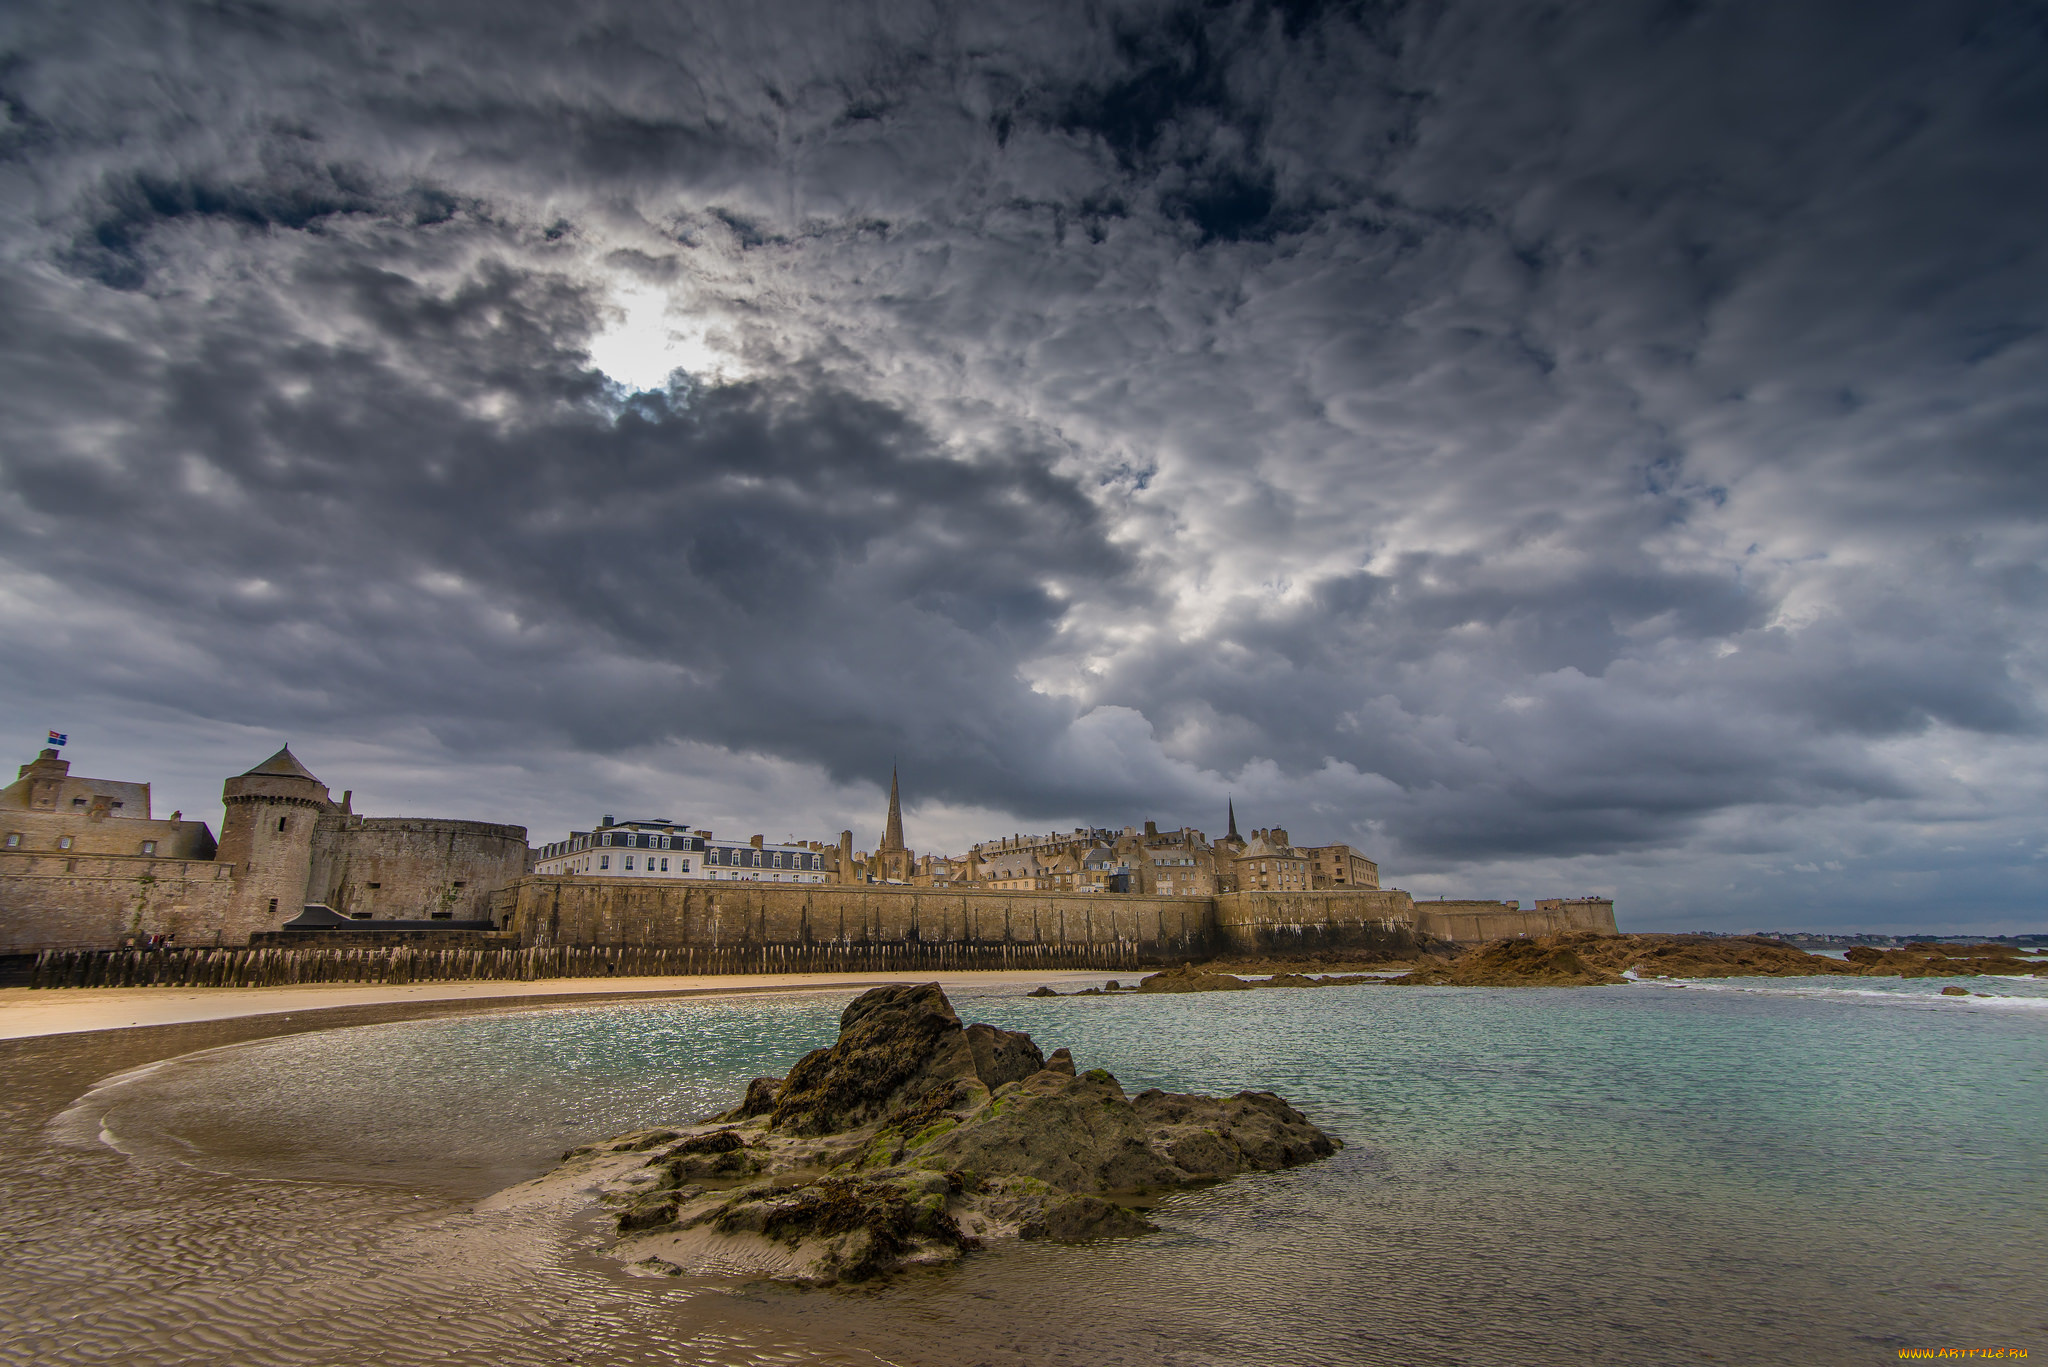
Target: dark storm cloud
x=773 y=566
x=1491 y=433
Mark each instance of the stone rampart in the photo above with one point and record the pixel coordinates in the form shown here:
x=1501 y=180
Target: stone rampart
x=1477 y=922
x=1291 y=923
x=412 y=868
x=64 y=902
x=976 y=926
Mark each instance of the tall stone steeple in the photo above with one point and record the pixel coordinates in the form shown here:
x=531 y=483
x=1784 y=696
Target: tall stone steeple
x=893 y=861
x=1232 y=841
x=892 y=834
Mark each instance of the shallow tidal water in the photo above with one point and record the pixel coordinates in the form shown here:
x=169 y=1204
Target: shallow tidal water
x=1742 y=1171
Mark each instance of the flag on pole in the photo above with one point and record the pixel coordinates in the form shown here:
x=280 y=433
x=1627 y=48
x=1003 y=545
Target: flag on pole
x=59 y=738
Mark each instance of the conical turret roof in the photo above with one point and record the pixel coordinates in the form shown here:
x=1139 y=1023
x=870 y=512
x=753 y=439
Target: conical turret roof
x=283 y=764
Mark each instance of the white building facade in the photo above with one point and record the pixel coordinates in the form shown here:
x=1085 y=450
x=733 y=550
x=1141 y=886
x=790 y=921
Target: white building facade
x=675 y=850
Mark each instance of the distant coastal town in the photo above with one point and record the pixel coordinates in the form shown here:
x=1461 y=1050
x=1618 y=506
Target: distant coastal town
x=1097 y=859
x=85 y=864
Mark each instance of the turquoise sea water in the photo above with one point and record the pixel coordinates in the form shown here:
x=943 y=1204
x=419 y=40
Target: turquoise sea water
x=1743 y=1171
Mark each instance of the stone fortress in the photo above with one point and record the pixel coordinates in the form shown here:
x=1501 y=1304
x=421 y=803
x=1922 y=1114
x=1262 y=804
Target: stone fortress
x=85 y=866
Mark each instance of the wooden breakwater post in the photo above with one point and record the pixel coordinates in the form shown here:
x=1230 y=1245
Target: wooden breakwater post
x=294 y=965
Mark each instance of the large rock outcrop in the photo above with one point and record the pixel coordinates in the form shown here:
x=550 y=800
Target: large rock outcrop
x=895 y=1044
x=1582 y=959
x=1194 y=978
x=1544 y=962
x=913 y=1139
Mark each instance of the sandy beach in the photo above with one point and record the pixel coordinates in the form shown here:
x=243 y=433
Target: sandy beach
x=29 y=1012
x=195 y=1266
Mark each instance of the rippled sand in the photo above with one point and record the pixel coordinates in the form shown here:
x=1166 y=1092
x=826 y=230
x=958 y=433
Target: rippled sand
x=107 y=1260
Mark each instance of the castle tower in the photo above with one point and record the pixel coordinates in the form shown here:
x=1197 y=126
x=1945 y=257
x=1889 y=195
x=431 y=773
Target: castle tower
x=893 y=861
x=42 y=780
x=268 y=836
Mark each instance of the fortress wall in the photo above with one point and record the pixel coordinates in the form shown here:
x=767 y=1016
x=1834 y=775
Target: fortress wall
x=422 y=866
x=52 y=901
x=1581 y=913
x=1363 y=920
x=582 y=910
x=1477 y=922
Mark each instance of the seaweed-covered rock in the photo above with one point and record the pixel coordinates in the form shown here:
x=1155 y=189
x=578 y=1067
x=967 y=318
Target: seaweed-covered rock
x=863 y=1226
x=1002 y=1056
x=1541 y=962
x=1189 y=978
x=912 y=1140
x=1192 y=978
x=895 y=1045
x=1081 y=1218
x=1262 y=1132
x=1584 y=958
x=759 y=1100
x=1079 y=1134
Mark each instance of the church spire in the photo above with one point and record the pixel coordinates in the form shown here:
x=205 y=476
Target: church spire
x=892 y=834
x=1233 y=821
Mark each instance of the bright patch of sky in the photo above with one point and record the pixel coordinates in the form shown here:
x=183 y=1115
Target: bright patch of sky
x=649 y=338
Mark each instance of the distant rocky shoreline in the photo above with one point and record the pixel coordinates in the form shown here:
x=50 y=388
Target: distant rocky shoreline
x=1587 y=959
x=914 y=1139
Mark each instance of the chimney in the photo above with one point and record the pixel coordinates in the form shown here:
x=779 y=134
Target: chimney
x=755 y=841
x=607 y=820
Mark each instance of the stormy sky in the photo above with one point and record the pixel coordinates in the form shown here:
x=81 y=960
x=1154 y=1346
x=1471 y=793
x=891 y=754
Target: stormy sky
x=1556 y=448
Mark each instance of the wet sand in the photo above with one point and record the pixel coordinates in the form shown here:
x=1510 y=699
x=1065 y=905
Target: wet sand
x=107 y=1259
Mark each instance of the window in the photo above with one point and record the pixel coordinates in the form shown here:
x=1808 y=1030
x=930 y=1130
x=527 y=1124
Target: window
x=280 y=823
x=273 y=906
x=458 y=882
x=442 y=915
x=149 y=847
x=63 y=842
x=78 y=802
x=664 y=866
x=629 y=863
x=604 y=861
x=14 y=840
x=373 y=885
